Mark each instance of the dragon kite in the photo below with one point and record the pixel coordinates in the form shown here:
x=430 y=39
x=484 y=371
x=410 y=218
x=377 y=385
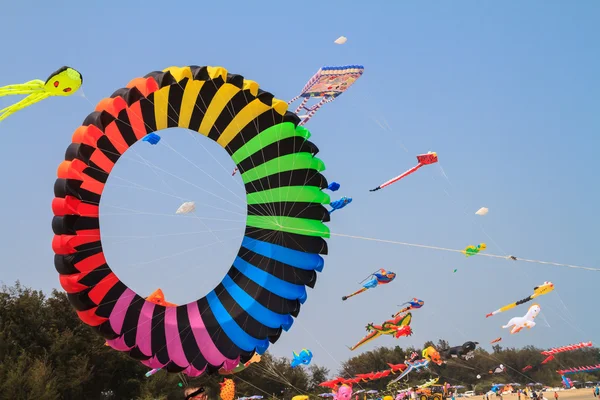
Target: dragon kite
x=397 y=327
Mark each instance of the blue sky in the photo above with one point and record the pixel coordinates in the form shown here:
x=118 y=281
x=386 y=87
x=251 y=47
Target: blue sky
x=505 y=92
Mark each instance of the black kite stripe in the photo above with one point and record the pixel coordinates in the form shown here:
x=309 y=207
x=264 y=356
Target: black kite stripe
x=266 y=298
x=297 y=177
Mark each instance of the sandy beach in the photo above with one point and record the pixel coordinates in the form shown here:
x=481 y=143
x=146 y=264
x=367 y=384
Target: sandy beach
x=575 y=394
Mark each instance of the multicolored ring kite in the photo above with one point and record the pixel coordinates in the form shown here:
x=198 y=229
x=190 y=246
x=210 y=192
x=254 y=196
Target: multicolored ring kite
x=280 y=252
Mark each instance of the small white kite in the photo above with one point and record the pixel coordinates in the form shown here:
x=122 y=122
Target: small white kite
x=340 y=40
x=186 y=208
x=482 y=211
x=518 y=323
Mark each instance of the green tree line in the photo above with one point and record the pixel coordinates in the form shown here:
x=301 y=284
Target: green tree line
x=46 y=353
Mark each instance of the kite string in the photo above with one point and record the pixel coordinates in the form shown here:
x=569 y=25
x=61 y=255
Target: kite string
x=457 y=251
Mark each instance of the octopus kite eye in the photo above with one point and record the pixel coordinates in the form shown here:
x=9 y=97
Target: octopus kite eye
x=67 y=90
x=56 y=83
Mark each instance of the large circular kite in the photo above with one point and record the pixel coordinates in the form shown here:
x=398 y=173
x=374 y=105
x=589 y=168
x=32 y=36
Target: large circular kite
x=281 y=248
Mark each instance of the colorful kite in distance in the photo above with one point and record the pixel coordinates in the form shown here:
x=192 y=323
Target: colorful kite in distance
x=431 y=354
x=570 y=347
x=397 y=327
x=341 y=40
x=423 y=159
x=62 y=82
x=498 y=370
x=186 y=208
x=543 y=289
x=556 y=350
x=567 y=382
x=371 y=376
x=410 y=305
x=158 y=297
x=472 y=250
x=430 y=382
x=151 y=138
x=241 y=366
x=304 y=357
x=380 y=277
x=327 y=84
x=411 y=366
x=496 y=340
x=333 y=186
x=576 y=370
x=482 y=211
x=518 y=323
x=339 y=204
x=343 y=393
x=227 y=391
x=466 y=351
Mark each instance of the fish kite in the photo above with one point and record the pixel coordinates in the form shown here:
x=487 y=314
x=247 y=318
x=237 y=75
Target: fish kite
x=305 y=357
x=472 y=250
x=380 y=277
x=496 y=340
x=423 y=159
x=543 y=289
x=397 y=327
x=518 y=323
x=410 y=305
x=63 y=82
x=341 y=203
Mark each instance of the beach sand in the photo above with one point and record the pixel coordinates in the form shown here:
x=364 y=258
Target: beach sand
x=576 y=394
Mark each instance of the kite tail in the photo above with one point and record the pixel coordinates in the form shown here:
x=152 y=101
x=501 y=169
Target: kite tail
x=400 y=312
x=355 y=293
x=22 y=88
x=27 y=101
x=396 y=179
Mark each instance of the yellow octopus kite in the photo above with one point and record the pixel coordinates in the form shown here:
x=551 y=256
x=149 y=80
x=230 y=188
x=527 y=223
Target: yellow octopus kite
x=63 y=82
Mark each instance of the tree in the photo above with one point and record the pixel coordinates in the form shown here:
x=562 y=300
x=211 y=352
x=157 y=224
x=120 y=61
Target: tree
x=47 y=353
